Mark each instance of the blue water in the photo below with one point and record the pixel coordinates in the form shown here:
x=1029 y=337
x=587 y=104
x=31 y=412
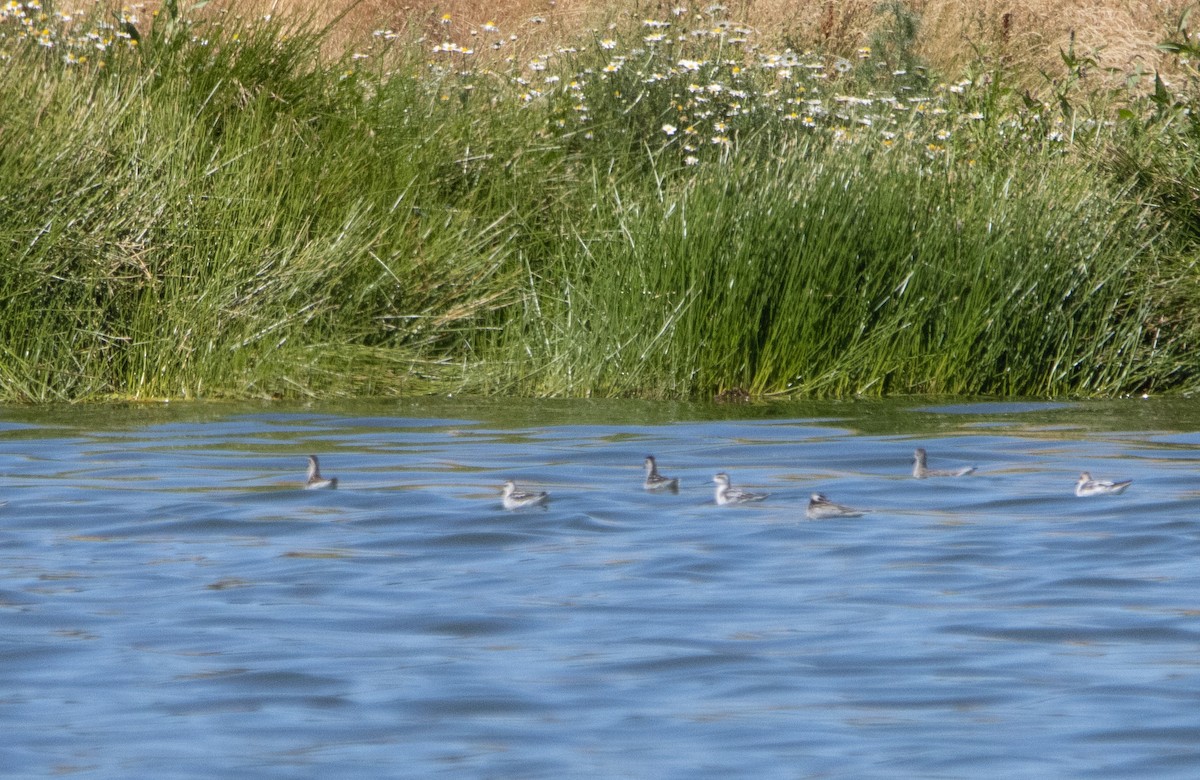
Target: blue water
x=172 y=605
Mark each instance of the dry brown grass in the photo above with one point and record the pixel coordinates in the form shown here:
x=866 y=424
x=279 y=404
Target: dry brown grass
x=1028 y=34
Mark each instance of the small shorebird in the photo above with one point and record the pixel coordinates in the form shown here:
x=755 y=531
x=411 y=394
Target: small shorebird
x=315 y=480
x=1086 y=486
x=820 y=508
x=921 y=471
x=727 y=494
x=656 y=481
x=515 y=499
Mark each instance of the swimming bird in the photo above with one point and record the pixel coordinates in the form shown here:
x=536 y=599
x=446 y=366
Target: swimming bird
x=315 y=480
x=656 y=481
x=1086 y=486
x=515 y=499
x=820 y=508
x=727 y=494
x=921 y=471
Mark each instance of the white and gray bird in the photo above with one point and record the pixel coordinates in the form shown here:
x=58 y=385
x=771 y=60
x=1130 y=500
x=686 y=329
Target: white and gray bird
x=821 y=508
x=315 y=481
x=656 y=481
x=1086 y=486
x=921 y=470
x=727 y=494
x=516 y=499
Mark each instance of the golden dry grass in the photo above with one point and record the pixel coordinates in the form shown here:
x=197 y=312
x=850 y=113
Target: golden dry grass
x=1027 y=34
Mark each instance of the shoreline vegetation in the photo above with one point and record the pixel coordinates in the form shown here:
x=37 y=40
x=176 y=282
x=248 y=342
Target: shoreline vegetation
x=197 y=204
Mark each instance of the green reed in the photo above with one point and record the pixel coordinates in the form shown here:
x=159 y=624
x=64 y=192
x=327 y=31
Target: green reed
x=832 y=272
x=221 y=210
x=230 y=218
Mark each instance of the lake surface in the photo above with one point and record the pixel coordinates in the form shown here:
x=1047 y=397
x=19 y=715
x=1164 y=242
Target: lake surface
x=173 y=605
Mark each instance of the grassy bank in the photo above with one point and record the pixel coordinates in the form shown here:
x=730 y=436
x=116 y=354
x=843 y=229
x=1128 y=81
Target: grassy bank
x=213 y=207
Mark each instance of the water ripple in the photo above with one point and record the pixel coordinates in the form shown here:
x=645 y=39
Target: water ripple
x=175 y=606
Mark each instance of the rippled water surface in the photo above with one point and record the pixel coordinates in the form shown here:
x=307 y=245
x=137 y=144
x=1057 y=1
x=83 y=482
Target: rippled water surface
x=173 y=605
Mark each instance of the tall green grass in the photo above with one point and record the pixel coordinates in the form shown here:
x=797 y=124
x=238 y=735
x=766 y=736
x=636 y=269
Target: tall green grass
x=838 y=273
x=230 y=218
x=220 y=210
